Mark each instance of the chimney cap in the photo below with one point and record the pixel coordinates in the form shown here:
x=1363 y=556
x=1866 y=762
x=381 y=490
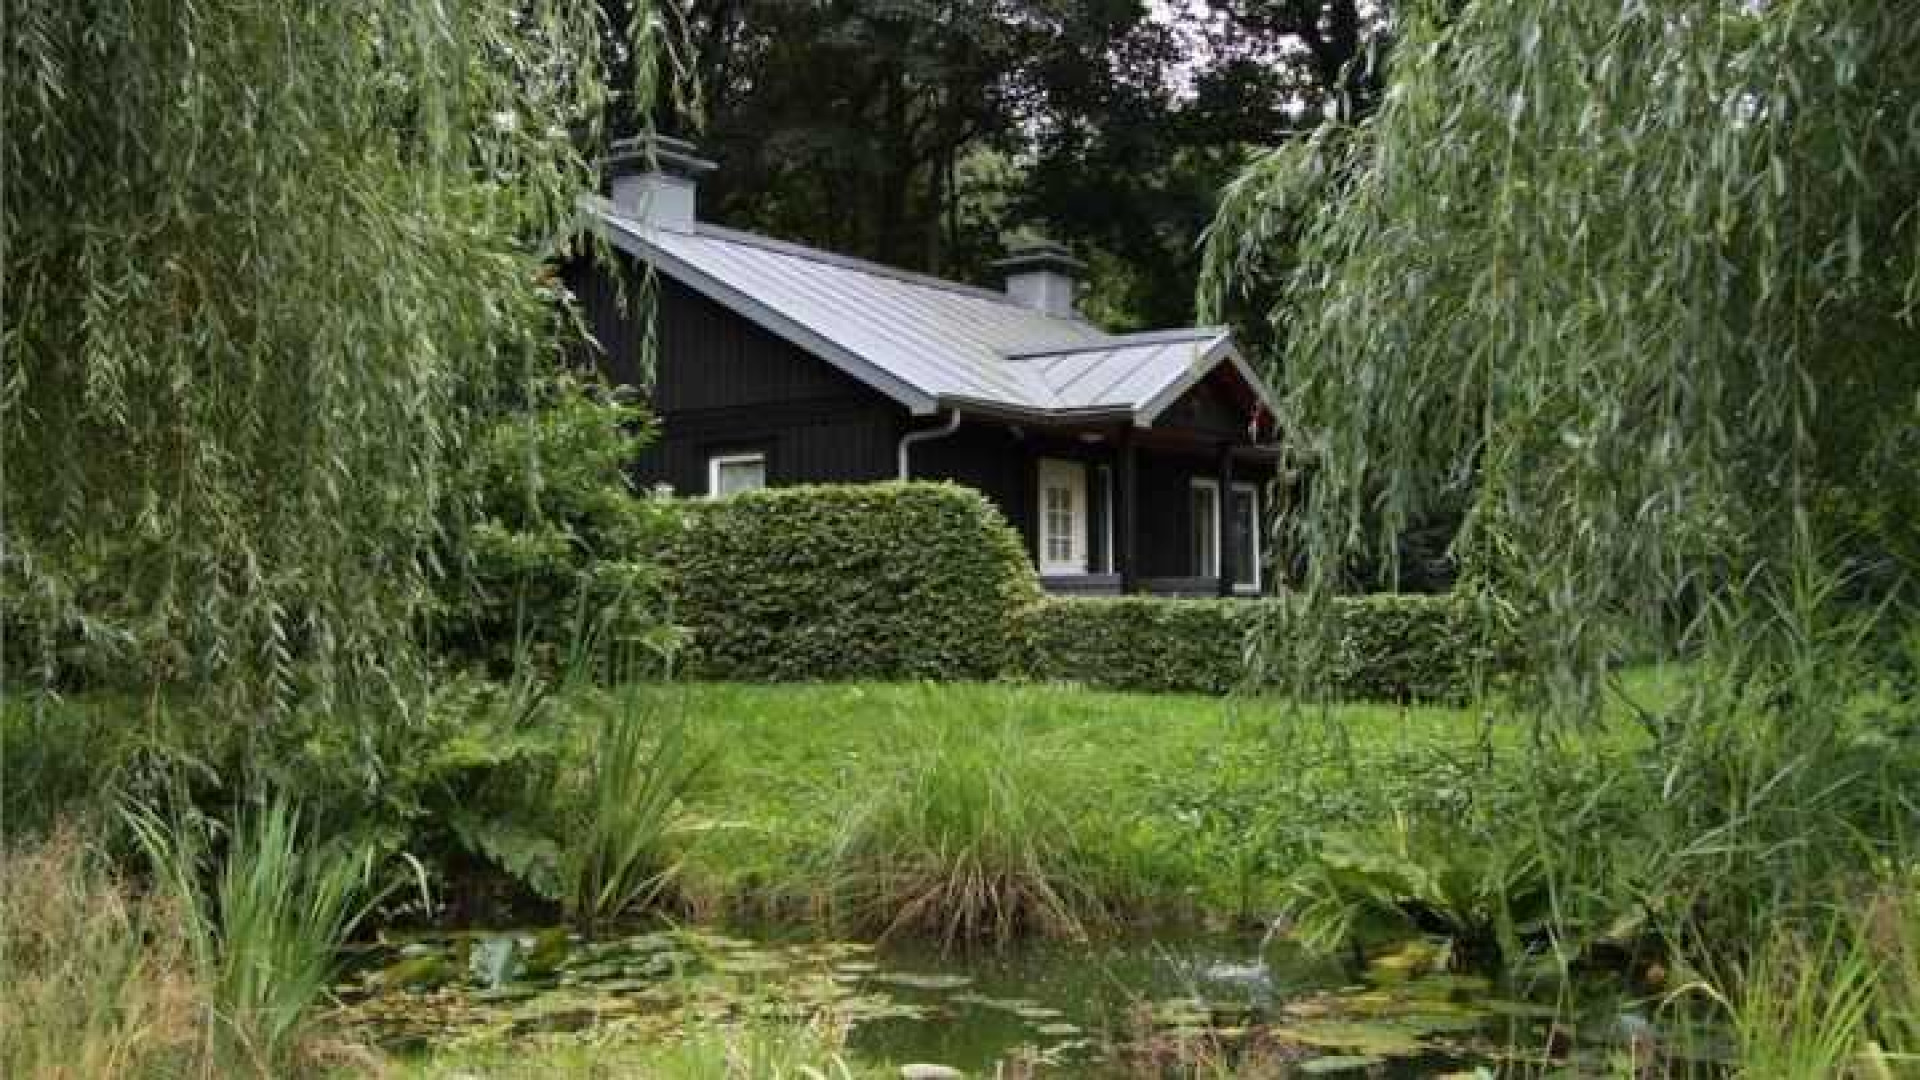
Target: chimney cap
x=653 y=153
x=1041 y=275
x=1027 y=256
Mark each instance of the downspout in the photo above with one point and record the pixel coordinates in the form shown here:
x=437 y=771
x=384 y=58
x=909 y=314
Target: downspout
x=927 y=435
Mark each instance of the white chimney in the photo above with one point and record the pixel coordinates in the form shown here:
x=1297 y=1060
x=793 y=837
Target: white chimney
x=1043 y=276
x=655 y=180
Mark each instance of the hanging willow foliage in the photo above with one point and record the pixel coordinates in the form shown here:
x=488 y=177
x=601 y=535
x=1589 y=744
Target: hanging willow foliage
x=265 y=264
x=1642 y=277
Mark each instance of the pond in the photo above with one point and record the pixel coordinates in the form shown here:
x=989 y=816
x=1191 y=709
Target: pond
x=1135 y=1007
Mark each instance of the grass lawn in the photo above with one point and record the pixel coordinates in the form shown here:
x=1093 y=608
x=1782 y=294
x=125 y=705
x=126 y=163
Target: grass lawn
x=1204 y=801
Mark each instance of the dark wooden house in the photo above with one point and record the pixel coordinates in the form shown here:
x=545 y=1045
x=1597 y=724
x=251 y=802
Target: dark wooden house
x=1129 y=462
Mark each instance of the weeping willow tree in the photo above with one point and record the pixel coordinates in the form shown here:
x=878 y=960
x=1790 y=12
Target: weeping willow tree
x=1641 y=281
x=265 y=266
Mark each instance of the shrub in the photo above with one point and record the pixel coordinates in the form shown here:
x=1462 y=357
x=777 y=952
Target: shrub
x=1385 y=647
x=557 y=565
x=879 y=581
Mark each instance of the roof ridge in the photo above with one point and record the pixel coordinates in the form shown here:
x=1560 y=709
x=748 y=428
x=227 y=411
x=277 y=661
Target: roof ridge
x=1121 y=341
x=848 y=262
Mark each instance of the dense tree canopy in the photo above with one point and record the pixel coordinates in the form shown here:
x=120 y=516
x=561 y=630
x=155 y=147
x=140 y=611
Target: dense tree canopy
x=1641 y=278
x=922 y=134
x=263 y=263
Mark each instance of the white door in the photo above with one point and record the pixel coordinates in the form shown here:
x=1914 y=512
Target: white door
x=1063 y=517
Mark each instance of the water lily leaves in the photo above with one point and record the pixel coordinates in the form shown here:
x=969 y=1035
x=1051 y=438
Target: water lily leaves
x=545 y=951
x=1337 y=1064
x=1182 y=1013
x=1009 y=1005
x=749 y=962
x=1058 y=1029
x=1383 y=1038
x=413 y=972
x=642 y=943
x=504 y=994
x=550 y=985
x=915 y=981
x=494 y=962
x=1445 y=985
x=600 y=972
x=1409 y=959
x=1431 y=1024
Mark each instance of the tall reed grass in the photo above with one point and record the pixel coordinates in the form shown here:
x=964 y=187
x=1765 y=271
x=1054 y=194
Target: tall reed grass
x=98 y=980
x=617 y=853
x=263 y=924
x=968 y=840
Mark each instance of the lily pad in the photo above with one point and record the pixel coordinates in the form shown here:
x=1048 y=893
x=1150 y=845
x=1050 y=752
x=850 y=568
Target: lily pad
x=546 y=951
x=1521 y=1010
x=915 y=981
x=1442 y=985
x=1411 y=958
x=494 y=962
x=1058 y=1029
x=1182 y=1013
x=502 y=994
x=748 y=962
x=1339 y=1063
x=1385 y=1038
x=426 y=969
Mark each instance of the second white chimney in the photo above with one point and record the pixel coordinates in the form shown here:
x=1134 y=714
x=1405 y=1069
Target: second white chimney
x=656 y=180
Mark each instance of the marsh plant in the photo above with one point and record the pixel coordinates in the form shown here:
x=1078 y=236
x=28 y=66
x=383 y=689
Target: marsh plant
x=1482 y=891
x=620 y=828
x=967 y=841
x=263 y=921
x=98 y=980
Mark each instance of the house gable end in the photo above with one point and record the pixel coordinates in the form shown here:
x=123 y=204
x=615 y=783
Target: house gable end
x=751 y=309
x=1219 y=404
x=721 y=384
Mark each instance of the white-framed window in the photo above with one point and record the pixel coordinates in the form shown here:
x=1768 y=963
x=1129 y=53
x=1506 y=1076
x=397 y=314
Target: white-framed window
x=1243 y=533
x=731 y=474
x=1062 y=517
x=1205 y=514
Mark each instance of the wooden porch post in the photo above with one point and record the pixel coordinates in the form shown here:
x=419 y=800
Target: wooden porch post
x=1223 y=509
x=1029 y=519
x=1128 y=519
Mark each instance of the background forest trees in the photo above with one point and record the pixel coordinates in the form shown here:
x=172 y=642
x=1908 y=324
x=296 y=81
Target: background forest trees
x=919 y=133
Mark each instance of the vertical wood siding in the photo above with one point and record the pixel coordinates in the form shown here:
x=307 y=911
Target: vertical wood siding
x=722 y=384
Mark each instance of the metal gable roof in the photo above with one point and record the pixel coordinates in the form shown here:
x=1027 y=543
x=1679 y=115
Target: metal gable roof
x=925 y=342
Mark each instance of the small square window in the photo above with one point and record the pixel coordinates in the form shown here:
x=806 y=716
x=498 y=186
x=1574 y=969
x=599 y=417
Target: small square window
x=731 y=474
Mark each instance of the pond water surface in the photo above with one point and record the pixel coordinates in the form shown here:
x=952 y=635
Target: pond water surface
x=1116 y=1008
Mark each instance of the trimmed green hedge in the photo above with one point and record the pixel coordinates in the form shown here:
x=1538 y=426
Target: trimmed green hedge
x=927 y=581
x=1381 y=648
x=870 y=581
